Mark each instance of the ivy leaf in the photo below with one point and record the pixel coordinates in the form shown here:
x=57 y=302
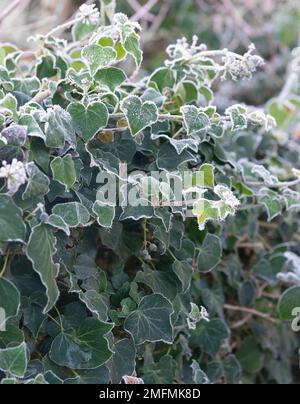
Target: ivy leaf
x=162 y=372
x=132 y=46
x=112 y=77
x=289 y=301
x=204 y=211
x=196 y=121
x=59 y=128
x=88 y=120
x=57 y=222
x=12 y=227
x=209 y=336
x=250 y=356
x=37 y=184
x=9 y=300
x=95 y=303
x=96 y=57
x=86 y=348
x=151 y=321
x=105 y=214
x=63 y=171
x=40 y=251
x=272 y=202
x=210 y=253
x=139 y=115
x=184 y=272
x=13 y=360
x=123 y=360
x=72 y=213
x=238 y=117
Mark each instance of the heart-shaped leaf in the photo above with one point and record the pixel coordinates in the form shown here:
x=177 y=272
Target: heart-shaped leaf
x=196 y=121
x=111 y=77
x=139 y=115
x=97 y=57
x=88 y=120
x=63 y=170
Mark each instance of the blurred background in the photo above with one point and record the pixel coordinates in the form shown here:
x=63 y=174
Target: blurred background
x=273 y=25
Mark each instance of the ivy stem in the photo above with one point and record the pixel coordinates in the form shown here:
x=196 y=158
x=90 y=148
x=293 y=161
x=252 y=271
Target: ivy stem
x=4 y=265
x=64 y=26
x=286 y=184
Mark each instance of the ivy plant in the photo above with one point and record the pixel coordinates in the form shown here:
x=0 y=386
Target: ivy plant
x=101 y=292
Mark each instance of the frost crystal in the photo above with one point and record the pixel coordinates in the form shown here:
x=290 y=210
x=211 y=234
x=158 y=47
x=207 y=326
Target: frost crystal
x=291 y=278
x=196 y=315
x=242 y=67
x=227 y=196
x=15 y=173
x=88 y=14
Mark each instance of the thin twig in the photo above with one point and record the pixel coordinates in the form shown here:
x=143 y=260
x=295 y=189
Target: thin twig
x=144 y=10
x=9 y=9
x=254 y=312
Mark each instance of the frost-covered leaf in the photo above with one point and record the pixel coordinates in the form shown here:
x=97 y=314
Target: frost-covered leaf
x=111 y=77
x=59 y=128
x=210 y=253
x=272 y=202
x=72 y=213
x=40 y=251
x=123 y=360
x=238 y=117
x=88 y=120
x=105 y=214
x=12 y=227
x=196 y=121
x=139 y=114
x=96 y=57
x=9 y=301
x=37 y=183
x=13 y=360
x=63 y=171
x=151 y=321
x=85 y=348
x=184 y=272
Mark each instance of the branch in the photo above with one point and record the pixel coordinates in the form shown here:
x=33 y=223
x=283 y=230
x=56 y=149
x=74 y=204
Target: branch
x=10 y=8
x=143 y=10
x=253 y=312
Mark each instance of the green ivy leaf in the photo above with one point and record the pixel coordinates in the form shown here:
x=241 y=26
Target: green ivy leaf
x=289 y=301
x=9 y=300
x=12 y=227
x=184 y=272
x=111 y=77
x=59 y=128
x=151 y=321
x=209 y=336
x=210 y=253
x=96 y=57
x=14 y=360
x=63 y=171
x=196 y=121
x=72 y=213
x=86 y=348
x=123 y=360
x=272 y=202
x=139 y=115
x=88 y=120
x=40 y=251
x=37 y=184
x=105 y=214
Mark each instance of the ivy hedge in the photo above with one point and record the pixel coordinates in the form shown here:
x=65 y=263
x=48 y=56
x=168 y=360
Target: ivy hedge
x=95 y=292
